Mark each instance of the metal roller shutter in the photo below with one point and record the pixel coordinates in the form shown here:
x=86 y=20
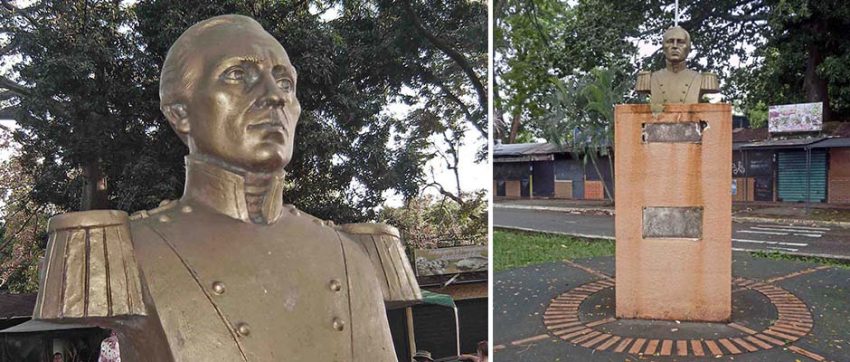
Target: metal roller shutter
x=793 y=178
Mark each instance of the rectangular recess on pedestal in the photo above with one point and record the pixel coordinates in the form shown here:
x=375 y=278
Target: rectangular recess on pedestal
x=672 y=222
x=679 y=132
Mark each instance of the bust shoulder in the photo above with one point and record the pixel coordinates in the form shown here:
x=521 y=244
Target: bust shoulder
x=383 y=246
x=709 y=83
x=644 y=82
x=90 y=269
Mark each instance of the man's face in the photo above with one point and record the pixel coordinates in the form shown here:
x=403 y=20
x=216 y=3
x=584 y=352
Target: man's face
x=243 y=109
x=676 y=45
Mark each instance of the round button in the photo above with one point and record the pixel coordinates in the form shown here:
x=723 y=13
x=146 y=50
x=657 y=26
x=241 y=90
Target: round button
x=164 y=218
x=186 y=209
x=335 y=285
x=243 y=329
x=338 y=324
x=218 y=288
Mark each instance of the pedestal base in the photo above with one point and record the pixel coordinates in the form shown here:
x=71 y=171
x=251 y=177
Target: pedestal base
x=673 y=212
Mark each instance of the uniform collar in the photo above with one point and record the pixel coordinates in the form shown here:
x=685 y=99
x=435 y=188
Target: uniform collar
x=229 y=191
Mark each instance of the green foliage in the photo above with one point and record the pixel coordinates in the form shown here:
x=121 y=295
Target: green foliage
x=765 y=51
x=22 y=227
x=580 y=115
x=515 y=249
x=429 y=222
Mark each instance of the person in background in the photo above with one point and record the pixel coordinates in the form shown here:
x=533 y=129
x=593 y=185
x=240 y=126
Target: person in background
x=422 y=356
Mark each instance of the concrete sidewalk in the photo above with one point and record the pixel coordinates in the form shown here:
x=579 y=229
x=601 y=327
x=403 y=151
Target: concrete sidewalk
x=783 y=213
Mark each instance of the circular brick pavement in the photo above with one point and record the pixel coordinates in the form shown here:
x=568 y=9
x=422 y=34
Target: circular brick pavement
x=794 y=321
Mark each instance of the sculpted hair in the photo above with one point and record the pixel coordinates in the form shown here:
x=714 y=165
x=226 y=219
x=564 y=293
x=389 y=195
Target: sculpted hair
x=178 y=76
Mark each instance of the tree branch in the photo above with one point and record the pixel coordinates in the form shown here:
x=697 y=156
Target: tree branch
x=456 y=56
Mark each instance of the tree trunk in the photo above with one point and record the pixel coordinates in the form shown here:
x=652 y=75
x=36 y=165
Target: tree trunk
x=94 y=187
x=601 y=177
x=514 y=127
x=816 y=88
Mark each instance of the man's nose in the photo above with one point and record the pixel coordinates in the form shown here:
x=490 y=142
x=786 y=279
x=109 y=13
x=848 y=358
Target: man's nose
x=271 y=94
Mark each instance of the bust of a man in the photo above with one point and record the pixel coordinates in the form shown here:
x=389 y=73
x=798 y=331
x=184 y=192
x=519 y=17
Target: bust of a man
x=228 y=273
x=676 y=83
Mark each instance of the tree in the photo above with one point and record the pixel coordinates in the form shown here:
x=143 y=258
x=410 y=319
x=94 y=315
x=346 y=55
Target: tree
x=429 y=222
x=765 y=51
x=22 y=226
x=539 y=42
x=581 y=115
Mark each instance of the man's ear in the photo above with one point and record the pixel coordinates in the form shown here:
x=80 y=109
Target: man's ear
x=178 y=117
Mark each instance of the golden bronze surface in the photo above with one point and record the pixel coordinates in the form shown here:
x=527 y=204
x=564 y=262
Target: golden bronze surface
x=229 y=273
x=676 y=83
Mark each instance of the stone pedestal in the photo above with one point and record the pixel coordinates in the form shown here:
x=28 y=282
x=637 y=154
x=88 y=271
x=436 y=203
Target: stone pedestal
x=673 y=212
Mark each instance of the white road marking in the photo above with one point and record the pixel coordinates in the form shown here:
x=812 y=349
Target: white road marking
x=798 y=227
x=761 y=232
x=809 y=235
x=769 y=242
x=785 y=249
x=781 y=229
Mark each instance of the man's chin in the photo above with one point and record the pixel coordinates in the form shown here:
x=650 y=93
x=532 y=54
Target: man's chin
x=270 y=160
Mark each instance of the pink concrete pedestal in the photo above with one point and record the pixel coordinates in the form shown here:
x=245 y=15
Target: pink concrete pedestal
x=673 y=212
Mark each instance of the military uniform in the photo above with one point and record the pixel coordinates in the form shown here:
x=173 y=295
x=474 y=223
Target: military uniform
x=197 y=280
x=685 y=86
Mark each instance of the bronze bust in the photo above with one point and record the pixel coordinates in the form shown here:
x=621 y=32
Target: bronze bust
x=676 y=83
x=228 y=273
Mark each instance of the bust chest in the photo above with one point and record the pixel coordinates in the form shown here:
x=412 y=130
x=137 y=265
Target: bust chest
x=258 y=292
x=676 y=87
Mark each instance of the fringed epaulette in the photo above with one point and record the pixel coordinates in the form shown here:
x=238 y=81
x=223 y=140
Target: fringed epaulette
x=383 y=244
x=90 y=269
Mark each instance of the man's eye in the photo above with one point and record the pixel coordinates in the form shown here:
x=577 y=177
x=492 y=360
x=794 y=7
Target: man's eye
x=285 y=84
x=234 y=74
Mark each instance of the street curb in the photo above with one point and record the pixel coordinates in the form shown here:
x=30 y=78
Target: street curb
x=842 y=224
x=608 y=211
x=517 y=228
x=839 y=258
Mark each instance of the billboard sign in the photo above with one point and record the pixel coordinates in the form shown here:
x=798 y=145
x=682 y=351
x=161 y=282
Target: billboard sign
x=459 y=259
x=804 y=117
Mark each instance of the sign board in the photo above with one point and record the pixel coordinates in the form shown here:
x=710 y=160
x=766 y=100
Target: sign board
x=804 y=117
x=459 y=259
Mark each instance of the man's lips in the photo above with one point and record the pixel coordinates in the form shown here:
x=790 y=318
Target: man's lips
x=274 y=122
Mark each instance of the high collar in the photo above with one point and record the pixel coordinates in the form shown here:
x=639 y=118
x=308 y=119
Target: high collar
x=675 y=67
x=230 y=192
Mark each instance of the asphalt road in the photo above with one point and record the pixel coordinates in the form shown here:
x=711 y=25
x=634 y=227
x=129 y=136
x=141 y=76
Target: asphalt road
x=801 y=240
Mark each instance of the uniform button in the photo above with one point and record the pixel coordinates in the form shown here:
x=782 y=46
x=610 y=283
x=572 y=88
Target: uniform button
x=186 y=209
x=164 y=218
x=335 y=285
x=338 y=324
x=218 y=288
x=243 y=329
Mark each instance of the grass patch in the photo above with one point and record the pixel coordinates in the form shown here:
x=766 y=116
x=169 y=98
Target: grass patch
x=514 y=249
x=806 y=259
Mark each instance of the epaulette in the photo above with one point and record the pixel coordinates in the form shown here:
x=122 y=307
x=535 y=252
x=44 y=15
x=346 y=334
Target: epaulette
x=89 y=269
x=709 y=83
x=644 y=82
x=383 y=244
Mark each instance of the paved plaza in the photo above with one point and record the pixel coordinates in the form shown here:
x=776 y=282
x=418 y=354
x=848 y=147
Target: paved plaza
x=564 y=311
